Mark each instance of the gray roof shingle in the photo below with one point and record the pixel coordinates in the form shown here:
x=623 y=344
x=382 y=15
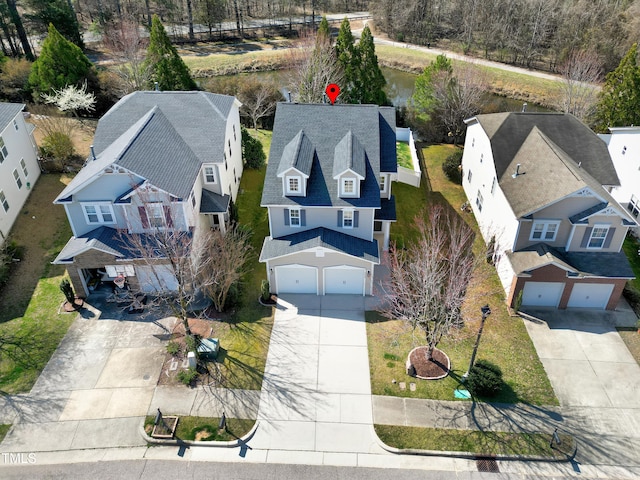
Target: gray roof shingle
x=326 y=125
x=298 y=154
x=319 y=237
x=211 y=202
x=8 y=112
x=349 y=154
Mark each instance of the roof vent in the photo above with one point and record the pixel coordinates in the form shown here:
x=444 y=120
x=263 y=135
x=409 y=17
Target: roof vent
x=157 y=87
x=515 y=175
x=579 y=164
x=93 y=153
x=524 y=107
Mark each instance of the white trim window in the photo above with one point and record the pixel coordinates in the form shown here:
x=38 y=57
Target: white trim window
x=634 y=206
x=15 y=124
x=479 y=201
x=98 y=213
x=294 y=184
x=23 y=165
x=294 y=217
x=469 y=176
x=4 y=153
x=16 y=177
x=209 y=174
x=493 y=185
x=3 y=201
x=348 y=186
x=155 y=215
x=544 y=230
x=598 y=236
x=383 y=183
x=347 y=219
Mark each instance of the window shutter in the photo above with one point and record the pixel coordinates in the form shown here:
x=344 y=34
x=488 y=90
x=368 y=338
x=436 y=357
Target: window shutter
x=143 y=217
x=585 y=238
x=610 y=234
x=167 y=216
x=339 y=218
x=355 y=219
x=286 y=217
x=303 y=218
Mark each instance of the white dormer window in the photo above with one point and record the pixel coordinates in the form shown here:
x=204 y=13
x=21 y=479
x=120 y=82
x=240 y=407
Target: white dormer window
x=348 y=187
x=209 y=175
x=293 y=185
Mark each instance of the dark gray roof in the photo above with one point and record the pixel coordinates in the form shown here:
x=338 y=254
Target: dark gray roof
x=319 y=237
x=298 y=153
x=508 y=132
x=349 y=154
x=598 y=264
x=388 y=154
x=582 y=217
x=8 y=112
x=108 y=240
x=326 y=125
x=211 y=202
x=387 y=209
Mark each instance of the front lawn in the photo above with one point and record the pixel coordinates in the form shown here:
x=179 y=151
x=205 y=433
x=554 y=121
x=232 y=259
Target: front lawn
x=206 y=428
x=30 y=301
x=505 y=341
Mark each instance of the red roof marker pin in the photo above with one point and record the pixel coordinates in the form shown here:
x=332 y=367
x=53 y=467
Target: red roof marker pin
x=332 y=92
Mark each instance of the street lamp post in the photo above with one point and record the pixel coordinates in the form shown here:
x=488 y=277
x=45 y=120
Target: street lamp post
x=486 y=311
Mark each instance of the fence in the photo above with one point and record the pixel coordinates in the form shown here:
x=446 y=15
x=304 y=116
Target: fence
x=405 y=175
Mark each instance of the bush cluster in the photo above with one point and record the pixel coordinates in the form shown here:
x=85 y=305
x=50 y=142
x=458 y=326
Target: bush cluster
x=485 y=379
x=451 y=167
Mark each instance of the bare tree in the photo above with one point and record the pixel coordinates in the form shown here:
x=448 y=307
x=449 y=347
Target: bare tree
x=124 y=39
x=258 y=99
x=428 y=280
x=314 y=66
x=581 y=74
x=226 y=263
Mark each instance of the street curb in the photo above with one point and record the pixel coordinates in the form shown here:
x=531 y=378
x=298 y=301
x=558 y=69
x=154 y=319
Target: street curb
x=467 y=455
x=199 y=443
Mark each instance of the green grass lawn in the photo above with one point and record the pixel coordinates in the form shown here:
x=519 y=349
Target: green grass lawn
x=4 y=429
x=505 y=341
x=404 y=155
x=484 y=443
x=631 y=338
x=631 y=247
x=206 y=427
x=32 y=299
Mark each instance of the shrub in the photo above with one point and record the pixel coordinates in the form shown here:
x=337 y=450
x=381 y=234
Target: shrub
x=67 y=290
x=173 y=347
x=252 y=151
x=485 y=379
x=265 y=290
x=451 y=167
x=187 y=376
x=58 y=146
x=192 y=343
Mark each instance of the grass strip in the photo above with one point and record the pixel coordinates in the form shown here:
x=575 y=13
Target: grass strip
x=206 y=428
x=4 y=429
x=474 y=441
x=404 y=155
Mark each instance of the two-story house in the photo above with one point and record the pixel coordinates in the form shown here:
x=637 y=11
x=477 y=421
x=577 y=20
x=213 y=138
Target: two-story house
x=19 y=169
x=624 y=147
x=328 y=194
x=160 y=160
x=538 y=184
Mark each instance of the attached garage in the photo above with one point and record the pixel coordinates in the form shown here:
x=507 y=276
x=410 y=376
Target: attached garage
x=590 y=295
x=542 y=294
x=344 y=280
x=296 y=279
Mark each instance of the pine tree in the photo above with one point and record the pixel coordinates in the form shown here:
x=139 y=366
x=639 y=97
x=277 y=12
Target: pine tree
x=349 y=61
x=166 y=66
x=371 y=81
x=60 y=13
x=324 y=31
x=620 y=97
x=423 y=98
x=60 y=63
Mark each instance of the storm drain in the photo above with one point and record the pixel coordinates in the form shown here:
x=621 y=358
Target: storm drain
x=487 y=464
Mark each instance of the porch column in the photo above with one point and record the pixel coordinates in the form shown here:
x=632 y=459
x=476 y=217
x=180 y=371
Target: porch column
x=386 y=228
x=223 y=226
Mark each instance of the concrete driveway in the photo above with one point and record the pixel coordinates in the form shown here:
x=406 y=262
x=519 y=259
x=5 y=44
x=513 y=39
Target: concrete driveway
x=316 y=394
x=586 y=361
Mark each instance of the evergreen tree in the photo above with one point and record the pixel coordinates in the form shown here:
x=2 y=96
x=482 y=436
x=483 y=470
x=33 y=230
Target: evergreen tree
x=349 y=61
x=424 y=99
x=60 y=13
x=324 y=31
x=371 y=80
x=61 y=63
x=252 y=151
x=619 y=104
x=166 y=66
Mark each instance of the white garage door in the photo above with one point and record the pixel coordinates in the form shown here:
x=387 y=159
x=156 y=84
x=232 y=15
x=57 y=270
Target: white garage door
x=590 y=295
x=345 y=280
x=542 y=294
x=159 y=278
x=297 y=279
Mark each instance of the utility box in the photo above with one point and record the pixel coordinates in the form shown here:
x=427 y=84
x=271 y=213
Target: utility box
x=193 y=361
x=208 y=348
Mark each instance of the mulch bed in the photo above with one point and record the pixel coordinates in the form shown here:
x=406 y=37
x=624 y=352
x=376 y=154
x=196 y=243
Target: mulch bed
x=437 y=367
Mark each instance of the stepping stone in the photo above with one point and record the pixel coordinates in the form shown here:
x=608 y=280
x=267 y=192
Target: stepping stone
x=412 y=387
x=403 y=386
x=174 y=365
x=185 y=363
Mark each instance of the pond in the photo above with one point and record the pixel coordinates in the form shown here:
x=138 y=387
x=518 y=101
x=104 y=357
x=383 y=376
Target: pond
x=400 y=88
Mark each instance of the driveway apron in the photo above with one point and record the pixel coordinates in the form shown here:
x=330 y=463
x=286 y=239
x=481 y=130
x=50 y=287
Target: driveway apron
x=316 y=393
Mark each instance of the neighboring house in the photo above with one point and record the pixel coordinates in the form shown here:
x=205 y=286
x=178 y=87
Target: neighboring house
x=160 y=160
x=328 y=193
x=19 y=167
x=537 y=183
x=624 y=148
